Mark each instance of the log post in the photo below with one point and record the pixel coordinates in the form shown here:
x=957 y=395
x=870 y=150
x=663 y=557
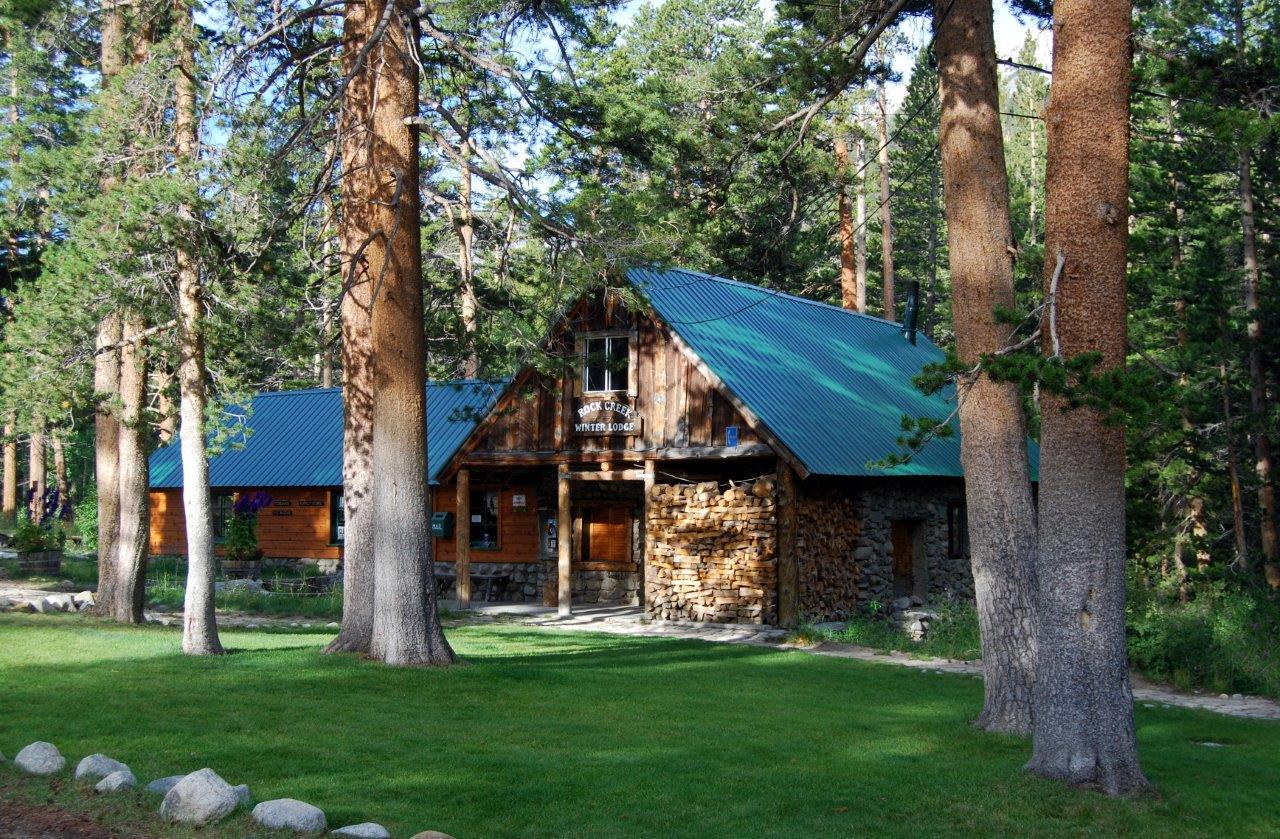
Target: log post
x=642 y=596
x=462 y=539
x=788 y=569
x=564 y=535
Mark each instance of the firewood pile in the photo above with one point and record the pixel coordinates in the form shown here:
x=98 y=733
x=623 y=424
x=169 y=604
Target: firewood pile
x=712 y=553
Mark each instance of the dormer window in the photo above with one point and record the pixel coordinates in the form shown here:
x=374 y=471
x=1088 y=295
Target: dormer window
x=605 y=365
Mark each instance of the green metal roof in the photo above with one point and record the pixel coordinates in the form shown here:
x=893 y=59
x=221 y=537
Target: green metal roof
x=293 y=438
x=830 y=384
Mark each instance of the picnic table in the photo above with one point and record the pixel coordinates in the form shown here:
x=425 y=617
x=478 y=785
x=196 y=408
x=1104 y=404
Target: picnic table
x=481 y=584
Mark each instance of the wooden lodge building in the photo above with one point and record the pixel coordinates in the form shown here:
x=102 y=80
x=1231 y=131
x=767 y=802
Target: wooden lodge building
x=701 y=448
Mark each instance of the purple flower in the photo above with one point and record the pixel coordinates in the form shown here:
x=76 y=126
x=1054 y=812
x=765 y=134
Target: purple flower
x=249 y=503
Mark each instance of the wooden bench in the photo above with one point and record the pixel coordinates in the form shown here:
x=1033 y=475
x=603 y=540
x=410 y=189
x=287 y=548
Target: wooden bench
x=481 y=584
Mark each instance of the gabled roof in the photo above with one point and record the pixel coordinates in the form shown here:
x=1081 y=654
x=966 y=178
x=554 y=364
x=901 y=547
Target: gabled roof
x=293 y=438
x=830 y=385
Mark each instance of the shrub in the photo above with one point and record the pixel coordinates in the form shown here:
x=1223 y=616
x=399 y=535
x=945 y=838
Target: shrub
x=87 y=519
x=242 y=529
x=30 y=537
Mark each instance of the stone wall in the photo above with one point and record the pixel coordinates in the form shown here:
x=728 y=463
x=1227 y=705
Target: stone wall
x=712 y=552
x=845 y=543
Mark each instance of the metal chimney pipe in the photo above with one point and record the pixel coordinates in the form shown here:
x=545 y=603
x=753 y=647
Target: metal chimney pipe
x=912 y=312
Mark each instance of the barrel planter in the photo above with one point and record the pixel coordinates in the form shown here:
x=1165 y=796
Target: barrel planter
x=40 y=562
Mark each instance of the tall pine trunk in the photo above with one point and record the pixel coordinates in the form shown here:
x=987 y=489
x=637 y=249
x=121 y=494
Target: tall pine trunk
x=199 y=623
x=106 y=369
x=1002 y=517
x=844 y=211
x=466 y=267
x=58 y=445
x=860 y=224
x=9 y=494
x=406 y=625
x=37 y=477
x=886 y=213
x=128 y=587
x=361 y=262
x=1083 y=727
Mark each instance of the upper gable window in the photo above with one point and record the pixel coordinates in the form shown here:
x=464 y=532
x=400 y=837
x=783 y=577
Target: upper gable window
x=605 y=365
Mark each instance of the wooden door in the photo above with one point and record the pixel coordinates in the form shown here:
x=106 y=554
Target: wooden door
x=608 y=535
x=904 y=557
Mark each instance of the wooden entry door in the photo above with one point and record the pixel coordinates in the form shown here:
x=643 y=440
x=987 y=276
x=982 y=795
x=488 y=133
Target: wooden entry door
x=903 y=534
x=607 y=534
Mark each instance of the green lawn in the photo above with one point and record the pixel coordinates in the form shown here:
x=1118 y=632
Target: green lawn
x=542 y=733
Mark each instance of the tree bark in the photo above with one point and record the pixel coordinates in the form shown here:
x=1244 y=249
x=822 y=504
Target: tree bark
x=886 y=214
x=129 y=585
x=1083 y=727
x=58 y=445
x=860 y=224
x=1259 y=405
x=362 y=258
x=106 y=458
x=1002 y=524
x=1233 y=474
x=844 y=208
x=37 y=477
x=106 y=369
x=199 y=622
x=9 y=504
x=466 y=269
x=406 y=625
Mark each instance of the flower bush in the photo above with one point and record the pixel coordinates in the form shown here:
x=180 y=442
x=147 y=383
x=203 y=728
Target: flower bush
x=242 y=529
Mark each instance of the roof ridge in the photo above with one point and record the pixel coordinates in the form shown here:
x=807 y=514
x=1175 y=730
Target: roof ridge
x=776 y=292
x=430 y=383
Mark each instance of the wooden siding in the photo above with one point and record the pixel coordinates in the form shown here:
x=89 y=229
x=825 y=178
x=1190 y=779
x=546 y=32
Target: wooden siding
x=517 y=529
x=677 y=404
x=288 y=529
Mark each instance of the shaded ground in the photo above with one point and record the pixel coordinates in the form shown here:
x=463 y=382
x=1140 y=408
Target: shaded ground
x=545 y=733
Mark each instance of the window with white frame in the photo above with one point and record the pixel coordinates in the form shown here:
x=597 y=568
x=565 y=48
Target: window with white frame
x=606 y=364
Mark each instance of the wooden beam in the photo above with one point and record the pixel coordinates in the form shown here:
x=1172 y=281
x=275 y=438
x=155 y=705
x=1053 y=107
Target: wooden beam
x=644 y=532
x=528 y=458
x=462 y=539
x=564 y=536
x=614 y=475
x=788 y=567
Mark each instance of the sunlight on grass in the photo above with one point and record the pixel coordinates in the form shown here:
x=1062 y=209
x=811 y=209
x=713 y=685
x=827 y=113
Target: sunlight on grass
x=543 y=733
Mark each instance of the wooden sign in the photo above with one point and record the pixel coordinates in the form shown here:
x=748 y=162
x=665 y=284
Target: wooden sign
x=306 y=503
x=281 y=503
x=282 y=512
x=606 y=418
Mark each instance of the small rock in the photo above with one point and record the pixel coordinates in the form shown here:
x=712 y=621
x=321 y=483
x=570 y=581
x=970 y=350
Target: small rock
x=62 y=602
x=290 y=814
x=97 y=766
x=431 y=834
x=1212 y=745
x=242 y=793
x=40 y=758
x=85 y=600
x=117 y=781
x=1237 y=696
x=336 y=625
x=901 y=603
x=364 y=830
x=7 y=603
x=161 y=786
x=199 y=798
x=1223 y=696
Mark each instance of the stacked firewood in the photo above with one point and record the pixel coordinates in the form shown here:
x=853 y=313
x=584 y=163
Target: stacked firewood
x=827 y=530
x=712 y=553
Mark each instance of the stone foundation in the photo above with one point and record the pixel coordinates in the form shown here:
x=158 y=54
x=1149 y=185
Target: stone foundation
x=712 y=553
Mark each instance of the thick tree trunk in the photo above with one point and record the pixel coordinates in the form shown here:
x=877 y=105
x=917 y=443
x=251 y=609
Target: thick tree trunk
x=886 y=214
x=37 y=478
x=406 y=626
x=1002 y=523
x=1083 y=728
x=106 y=370
x=199 y=623
x=844 y=209
x=9 y=495
x=362 y=258
x=1259 y=405
x=106 y=458
x=1233 y=474
x=128 y=587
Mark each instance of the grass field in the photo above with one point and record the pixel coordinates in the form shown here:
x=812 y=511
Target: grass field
x=542 y=733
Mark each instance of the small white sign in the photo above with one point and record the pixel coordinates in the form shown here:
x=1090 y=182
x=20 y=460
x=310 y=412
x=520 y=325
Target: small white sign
x=476 y=518
x=517 y=501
